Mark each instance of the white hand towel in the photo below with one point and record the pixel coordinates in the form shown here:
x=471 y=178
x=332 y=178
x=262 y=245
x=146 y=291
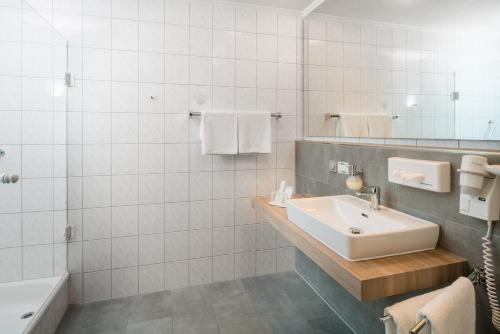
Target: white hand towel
x=254 y=132
x=353 y=125
x=380 y=126
x=404 y=313
x=453 y=311
x=219 y=132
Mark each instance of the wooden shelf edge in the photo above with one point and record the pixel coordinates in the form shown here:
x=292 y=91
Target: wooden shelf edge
x=370 y=279
x=408 y=282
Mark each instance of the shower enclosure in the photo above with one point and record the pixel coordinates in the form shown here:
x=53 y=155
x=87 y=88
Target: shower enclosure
x=33 y=211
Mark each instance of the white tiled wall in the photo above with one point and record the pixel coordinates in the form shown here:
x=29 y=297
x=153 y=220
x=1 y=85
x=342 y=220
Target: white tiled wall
x=365 y=67
x=478 y=110
x=150 y=211
x=33 y=135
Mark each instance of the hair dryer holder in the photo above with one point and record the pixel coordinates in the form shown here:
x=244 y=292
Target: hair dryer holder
x=480 y=188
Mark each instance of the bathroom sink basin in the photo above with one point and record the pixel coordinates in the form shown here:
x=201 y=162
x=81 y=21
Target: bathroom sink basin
x=348 y=226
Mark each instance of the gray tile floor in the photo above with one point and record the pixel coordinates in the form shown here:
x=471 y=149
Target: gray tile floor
x=278 y=303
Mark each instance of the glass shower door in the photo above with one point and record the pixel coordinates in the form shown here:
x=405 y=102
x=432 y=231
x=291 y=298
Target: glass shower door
x=33 y=215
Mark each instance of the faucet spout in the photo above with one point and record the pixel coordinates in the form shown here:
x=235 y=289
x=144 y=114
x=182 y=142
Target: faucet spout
x=374 y=192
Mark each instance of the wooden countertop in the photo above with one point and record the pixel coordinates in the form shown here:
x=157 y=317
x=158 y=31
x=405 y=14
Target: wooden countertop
x=369 y=279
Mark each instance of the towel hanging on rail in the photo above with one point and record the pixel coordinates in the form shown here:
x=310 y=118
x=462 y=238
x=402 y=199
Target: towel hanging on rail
x=219 y=132
x=403 y=314
x=451 y=310
x=254 y=132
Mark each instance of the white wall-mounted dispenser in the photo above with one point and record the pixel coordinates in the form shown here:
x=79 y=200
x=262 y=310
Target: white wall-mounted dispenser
x=423 y=174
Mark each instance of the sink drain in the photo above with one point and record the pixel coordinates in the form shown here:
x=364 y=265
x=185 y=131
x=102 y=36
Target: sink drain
x=355 y=230
x=27 y=315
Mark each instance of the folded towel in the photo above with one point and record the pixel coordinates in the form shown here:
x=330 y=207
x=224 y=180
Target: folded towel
x=219 y=132
x=380 y=126
x=353 y=125
x=452 y=311
x=404 y=313
x=254 y=132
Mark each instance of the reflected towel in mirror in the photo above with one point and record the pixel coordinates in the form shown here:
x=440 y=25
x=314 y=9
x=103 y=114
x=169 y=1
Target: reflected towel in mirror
x=380 y=126
x=353 y=125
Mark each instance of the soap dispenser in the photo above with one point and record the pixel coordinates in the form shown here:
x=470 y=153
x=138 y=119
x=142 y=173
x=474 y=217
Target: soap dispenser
x=354 y=181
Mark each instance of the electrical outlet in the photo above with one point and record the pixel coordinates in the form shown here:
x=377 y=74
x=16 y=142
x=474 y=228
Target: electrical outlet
x=343 y=167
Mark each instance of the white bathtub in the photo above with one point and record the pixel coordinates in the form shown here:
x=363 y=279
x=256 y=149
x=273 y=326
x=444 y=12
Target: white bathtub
x=45 y=297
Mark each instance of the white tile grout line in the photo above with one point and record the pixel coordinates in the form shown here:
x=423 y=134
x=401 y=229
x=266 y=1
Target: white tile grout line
x=164 y=213
x=52 y=149
x=21 y=157
x=188 y=261
x=211 y=158
x=111 y=154
x=138 y=146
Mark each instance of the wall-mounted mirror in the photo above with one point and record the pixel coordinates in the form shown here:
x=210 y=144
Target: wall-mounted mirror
x=403 y=69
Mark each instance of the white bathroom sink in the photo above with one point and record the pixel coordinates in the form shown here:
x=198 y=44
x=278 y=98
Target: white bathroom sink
x=335 y=220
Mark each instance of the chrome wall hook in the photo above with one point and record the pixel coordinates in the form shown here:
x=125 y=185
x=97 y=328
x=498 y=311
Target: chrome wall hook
x=2 y=153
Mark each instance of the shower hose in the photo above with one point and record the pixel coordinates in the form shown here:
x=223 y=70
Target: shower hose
x=489 y=271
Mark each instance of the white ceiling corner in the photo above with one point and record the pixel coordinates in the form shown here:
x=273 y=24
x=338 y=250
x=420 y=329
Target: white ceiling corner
x=312 y=7
x=460 y=15
x=296 y=5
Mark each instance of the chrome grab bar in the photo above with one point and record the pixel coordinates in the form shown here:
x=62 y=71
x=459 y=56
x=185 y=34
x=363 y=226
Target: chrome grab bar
x=417 y=328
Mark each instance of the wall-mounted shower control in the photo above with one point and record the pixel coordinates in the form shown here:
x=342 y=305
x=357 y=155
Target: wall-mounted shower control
x=9 y=178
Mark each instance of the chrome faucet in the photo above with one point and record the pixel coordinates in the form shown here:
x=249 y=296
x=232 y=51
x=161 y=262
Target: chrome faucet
x=374 y=191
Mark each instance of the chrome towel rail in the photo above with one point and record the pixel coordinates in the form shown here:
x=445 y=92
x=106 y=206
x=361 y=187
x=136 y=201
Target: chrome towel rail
x=330 y=115
x=417 y=328
x=476 y=277
x=276 y=115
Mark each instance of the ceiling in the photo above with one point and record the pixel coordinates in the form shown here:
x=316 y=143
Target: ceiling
x=462 y=15
x=287 y=4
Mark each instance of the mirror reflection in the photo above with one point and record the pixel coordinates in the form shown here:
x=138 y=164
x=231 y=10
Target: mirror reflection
x=403 y=69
